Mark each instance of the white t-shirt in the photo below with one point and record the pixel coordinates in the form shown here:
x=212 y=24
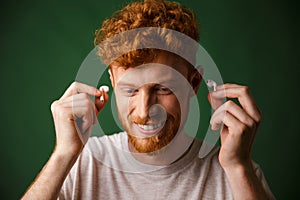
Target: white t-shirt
x=107 y=170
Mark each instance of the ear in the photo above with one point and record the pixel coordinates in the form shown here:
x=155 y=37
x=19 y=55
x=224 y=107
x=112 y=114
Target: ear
x=111 y=77
x=196 y=78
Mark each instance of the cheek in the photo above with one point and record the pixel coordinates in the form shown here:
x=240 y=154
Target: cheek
x=171 y=105
x=178 y=108
x=126 y=105
x=122 y=105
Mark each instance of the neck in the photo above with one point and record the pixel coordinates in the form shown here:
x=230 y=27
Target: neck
x=169 y=154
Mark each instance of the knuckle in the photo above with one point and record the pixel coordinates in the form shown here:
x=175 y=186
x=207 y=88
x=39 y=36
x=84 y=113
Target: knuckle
x=251 y=123
x=58 y=110
x=61 y=111
x=86 y=99
x=229 y=104
x=85 y=95
x=245 y=89
x=259 y=116
x=74 y=85
x=54 y=105
x=211 y=121
x=242 y=128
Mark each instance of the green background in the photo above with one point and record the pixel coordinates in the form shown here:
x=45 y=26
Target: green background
x=44 y=42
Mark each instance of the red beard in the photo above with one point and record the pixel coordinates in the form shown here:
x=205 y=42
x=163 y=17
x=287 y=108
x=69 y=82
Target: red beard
x=156 y=142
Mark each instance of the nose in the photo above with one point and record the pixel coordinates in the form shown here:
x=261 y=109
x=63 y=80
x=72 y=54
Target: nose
x=144 y=100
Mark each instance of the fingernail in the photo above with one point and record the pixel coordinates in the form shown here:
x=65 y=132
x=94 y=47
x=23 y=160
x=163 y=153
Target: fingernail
x=104 y=88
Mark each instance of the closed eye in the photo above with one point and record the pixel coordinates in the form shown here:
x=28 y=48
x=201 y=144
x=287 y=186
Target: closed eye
x=162 y=90
x=128 y=91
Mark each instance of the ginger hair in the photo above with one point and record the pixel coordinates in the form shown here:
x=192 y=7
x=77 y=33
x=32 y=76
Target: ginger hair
x=148 y=13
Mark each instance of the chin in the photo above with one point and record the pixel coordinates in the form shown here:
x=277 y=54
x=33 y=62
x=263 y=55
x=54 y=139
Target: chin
x=153 y=145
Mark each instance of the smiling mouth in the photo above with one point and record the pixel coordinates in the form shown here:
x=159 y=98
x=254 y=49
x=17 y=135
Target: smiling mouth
x=150 y=129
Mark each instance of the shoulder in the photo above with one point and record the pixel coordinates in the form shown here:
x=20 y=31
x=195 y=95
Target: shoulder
x=113 y=138
x=98 y=151
x=212 y=158
x=103 y=143
x=104 y=146
x=106 y=151
x=91 y=162
x=210 y=165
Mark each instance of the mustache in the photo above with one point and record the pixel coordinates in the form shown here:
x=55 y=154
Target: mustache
x=139 y=120
x=147 y=120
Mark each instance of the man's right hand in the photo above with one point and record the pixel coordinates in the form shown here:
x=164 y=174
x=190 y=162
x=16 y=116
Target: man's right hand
x=74 y=115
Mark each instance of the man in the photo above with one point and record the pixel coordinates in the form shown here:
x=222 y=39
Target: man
x=154 y=158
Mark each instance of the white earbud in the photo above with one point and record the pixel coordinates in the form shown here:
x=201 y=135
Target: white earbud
x=103 y=88
x=211 y=83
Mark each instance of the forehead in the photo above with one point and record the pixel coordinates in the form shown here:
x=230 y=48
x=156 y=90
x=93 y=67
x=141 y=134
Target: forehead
x=164 y=67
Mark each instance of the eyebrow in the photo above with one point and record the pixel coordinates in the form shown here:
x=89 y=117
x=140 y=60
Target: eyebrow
x=164 y=82
x=126 y=84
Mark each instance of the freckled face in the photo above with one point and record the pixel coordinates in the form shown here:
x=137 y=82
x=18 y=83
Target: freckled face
x=152 y=101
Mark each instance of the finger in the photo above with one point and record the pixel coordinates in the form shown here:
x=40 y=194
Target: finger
x=233 y=125
x=227 y=85
x=83 y=101
x=77 y=87
x=214 y=102
x=80 y=103
x=237 y=112
x=80 y=99
x=243 y=95
x=99 y=104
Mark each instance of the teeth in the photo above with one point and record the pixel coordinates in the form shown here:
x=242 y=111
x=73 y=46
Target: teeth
x=150 y=127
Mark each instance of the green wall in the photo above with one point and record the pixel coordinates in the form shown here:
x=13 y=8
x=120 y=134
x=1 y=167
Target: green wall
x=44 y=42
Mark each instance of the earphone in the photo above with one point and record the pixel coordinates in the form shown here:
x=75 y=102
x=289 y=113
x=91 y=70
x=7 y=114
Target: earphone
x=211 y=83
x=103 y=88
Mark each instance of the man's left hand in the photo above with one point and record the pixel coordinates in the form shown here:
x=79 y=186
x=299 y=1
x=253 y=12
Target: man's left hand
x=239 y=124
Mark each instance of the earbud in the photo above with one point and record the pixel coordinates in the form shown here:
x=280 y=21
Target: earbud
x=211 y=83
x=103 y=88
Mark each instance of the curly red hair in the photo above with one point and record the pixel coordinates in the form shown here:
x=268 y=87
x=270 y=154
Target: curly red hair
x=149 y=13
